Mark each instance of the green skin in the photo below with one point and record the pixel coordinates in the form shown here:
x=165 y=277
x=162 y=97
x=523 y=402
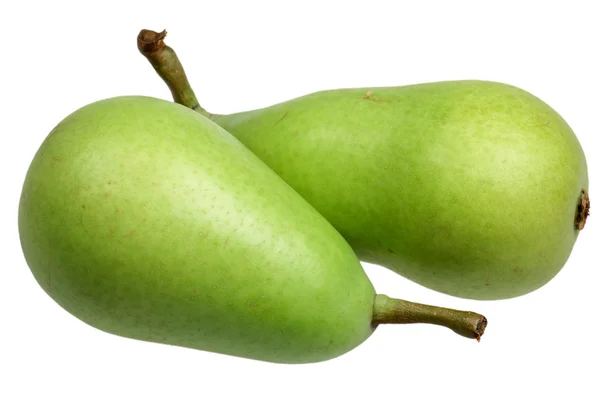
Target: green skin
x=146 y=220
x=469 y=188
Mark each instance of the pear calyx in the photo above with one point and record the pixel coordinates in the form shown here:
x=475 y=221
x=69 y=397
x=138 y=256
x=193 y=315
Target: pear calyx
x=583 y=210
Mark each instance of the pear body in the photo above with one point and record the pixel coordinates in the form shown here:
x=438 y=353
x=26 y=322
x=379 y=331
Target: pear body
x=469 y=188
x=144 y=219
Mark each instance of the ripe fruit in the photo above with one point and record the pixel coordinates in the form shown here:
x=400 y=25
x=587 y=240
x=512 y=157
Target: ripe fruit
x=472 y=188
x=146 y=220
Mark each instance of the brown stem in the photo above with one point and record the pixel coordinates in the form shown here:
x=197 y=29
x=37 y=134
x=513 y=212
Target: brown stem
x=397 y=311
x=166 y=63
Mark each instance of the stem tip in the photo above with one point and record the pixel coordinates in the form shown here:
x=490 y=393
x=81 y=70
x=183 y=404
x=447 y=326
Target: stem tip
x=480 y=328
x=149 y=41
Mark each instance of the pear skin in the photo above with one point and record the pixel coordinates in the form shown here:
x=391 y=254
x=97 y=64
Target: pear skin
x=476 y=189
x=148 y=221
x=144 y=219
x=471 y=188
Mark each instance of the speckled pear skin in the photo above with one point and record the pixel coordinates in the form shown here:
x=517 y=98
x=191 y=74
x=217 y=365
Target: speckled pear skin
x=467 y=187
x=144 y=219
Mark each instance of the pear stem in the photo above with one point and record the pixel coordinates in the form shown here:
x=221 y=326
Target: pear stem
x=397 y=311
x=166 y=63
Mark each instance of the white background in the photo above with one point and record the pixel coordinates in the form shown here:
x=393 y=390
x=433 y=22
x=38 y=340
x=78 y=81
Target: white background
x=540 y=352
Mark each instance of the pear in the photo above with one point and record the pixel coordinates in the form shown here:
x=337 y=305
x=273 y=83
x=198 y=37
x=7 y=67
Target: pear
x=144 y=219
x=476 y=189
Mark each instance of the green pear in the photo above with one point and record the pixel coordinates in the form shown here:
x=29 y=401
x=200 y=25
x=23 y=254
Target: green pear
x=472 y=188
x=144 y=219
